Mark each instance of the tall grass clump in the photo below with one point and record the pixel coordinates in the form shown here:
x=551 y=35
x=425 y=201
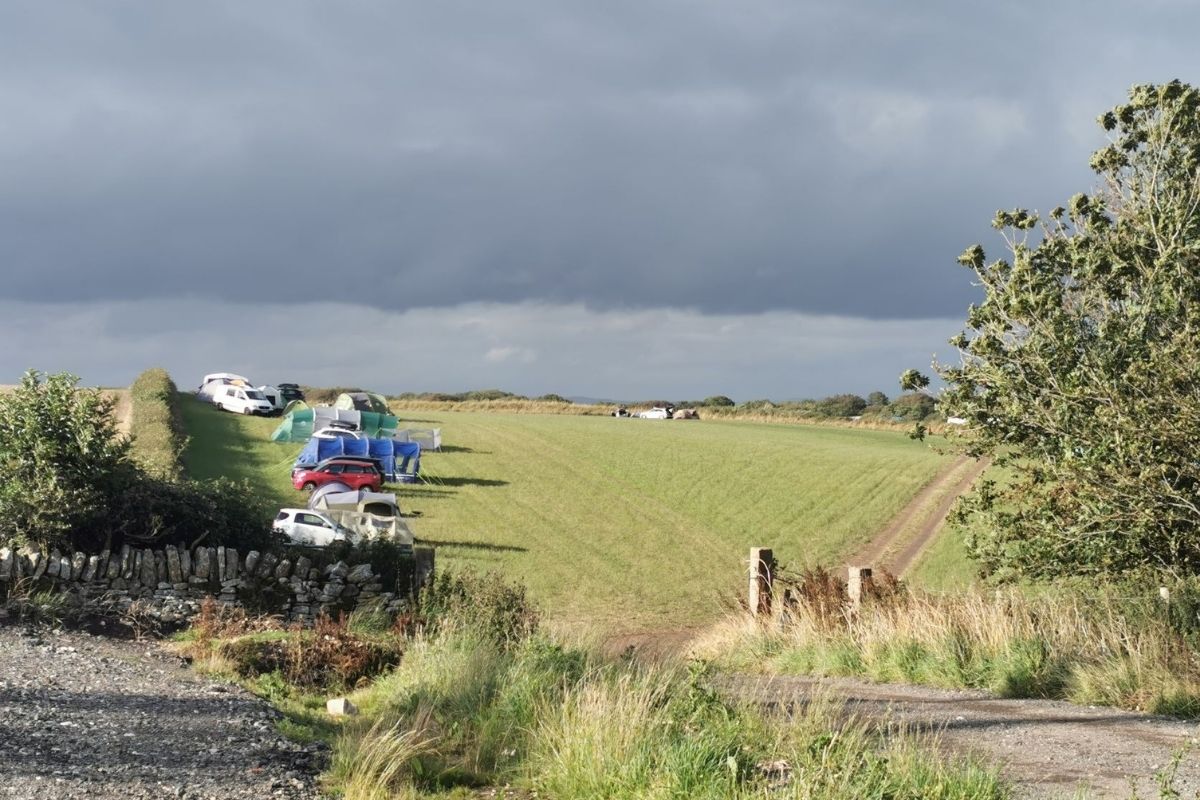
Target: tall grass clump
x=1105 y=647
x=158 y=439
x=467 y=708
x=464 y=711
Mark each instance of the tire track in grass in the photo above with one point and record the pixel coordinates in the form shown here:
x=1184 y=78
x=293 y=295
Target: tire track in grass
x=897 y=547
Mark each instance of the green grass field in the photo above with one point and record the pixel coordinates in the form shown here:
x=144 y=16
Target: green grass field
x=945 y=566
x=618 y=523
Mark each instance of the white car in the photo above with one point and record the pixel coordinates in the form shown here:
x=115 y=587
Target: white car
x=658 y=412
x=312 y=528
x=241 y=400
x=337 y=433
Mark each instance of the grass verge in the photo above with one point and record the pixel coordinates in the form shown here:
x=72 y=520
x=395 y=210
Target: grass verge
x=462 y=713
x=484 y=704
x=1098 y=648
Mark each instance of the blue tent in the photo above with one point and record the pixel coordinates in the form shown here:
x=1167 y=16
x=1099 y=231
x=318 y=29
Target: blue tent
x=396 y=459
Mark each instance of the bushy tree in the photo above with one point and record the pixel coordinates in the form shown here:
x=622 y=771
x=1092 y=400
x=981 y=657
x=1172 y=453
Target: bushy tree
x=719 y=400
x=877 y=399
x=912 y=407
x=841 y=405
x=61 y=460
x=1080 y=367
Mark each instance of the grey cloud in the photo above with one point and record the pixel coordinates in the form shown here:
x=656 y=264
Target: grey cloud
x=527 y=348
x=731 y=158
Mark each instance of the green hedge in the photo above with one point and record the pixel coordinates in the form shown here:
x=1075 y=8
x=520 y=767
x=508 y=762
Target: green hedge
x=158 y=437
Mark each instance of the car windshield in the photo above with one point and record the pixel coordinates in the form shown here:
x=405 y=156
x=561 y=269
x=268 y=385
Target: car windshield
x=254 y=395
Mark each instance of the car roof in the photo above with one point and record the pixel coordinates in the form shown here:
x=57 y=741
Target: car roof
x=374 y=462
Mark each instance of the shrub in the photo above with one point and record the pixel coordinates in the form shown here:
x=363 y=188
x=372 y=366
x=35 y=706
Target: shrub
x=841 y=405
x=61 y=460
x=498 y=609
x=330 y=656
x=67 y=479
x=157 y=511
x=912 y=407
x=718 y=400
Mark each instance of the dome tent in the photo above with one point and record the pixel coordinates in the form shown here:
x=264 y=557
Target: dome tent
x=299 y=424
x=362 y=401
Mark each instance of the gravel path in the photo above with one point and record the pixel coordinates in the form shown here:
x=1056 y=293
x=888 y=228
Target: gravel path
x=86 y=716
x=1046 y=748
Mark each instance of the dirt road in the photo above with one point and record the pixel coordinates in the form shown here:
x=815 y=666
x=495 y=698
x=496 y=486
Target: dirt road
x=898 y=546
x=1045 y=748
x=123 y=410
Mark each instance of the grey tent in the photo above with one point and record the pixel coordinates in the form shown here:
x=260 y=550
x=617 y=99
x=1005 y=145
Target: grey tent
x=371 y=515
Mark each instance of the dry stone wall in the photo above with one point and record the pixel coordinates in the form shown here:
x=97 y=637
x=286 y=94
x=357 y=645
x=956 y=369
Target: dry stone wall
x=169 y=583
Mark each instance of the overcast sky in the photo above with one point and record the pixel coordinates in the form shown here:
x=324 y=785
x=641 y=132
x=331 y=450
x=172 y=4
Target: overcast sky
x=621 y=199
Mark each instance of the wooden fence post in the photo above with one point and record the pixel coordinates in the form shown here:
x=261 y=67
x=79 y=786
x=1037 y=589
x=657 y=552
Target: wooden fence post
x=762 y=569
x=854 y=586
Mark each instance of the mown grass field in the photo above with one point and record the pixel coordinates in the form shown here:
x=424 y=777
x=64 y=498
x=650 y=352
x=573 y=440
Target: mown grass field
x=618 y=523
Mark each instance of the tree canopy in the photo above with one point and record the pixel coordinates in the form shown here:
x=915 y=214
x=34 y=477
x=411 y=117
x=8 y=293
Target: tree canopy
x=1080 y=369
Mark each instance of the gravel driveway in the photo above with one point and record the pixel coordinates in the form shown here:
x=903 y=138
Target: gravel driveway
x=86 y=716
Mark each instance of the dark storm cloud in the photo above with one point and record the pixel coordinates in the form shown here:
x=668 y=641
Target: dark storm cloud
x=728 y=157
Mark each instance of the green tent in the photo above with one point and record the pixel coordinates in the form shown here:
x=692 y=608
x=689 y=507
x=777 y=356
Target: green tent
x=299 y=424
x=362 y=401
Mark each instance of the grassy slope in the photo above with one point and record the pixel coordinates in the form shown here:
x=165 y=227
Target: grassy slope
x=621 y=523
x=237 y=447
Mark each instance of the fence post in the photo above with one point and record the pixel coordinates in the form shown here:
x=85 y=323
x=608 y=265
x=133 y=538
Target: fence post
x=762 y=569
x=854 y=585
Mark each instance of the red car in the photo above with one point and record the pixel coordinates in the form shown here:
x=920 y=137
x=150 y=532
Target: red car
x=355 y=473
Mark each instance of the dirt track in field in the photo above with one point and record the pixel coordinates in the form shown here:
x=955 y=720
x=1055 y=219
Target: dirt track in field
x=123 y=410
x=898 y=546
x=1045 y=749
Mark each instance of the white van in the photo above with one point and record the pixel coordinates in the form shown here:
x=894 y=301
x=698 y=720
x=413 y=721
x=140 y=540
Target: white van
x=241 y=400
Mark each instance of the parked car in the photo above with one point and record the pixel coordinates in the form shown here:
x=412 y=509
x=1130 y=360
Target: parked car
x=357 y=473
x=658 y=412
x=290 y=391
x=241 y=400
x=306 y=527
x=337 y=432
